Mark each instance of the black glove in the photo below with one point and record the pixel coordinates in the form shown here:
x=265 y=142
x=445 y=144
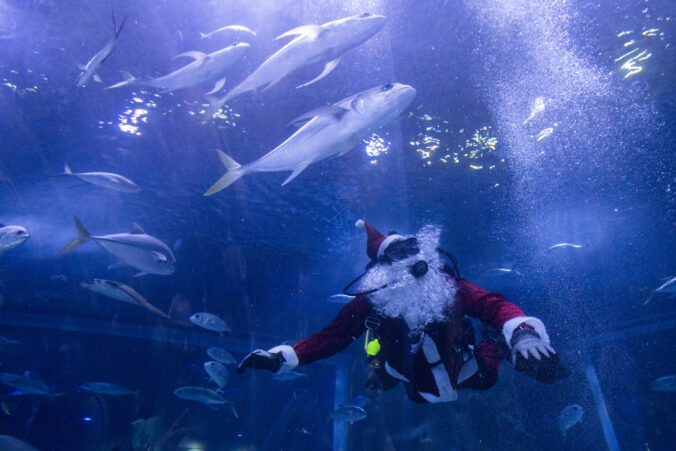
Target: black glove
x=544 y=365
x=261 y=360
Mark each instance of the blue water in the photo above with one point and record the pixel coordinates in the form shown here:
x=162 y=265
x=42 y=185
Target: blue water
x=533 y=124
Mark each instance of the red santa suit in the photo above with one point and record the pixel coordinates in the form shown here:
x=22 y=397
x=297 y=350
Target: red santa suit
x=434 y=366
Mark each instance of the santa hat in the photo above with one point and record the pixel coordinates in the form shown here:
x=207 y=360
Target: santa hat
x=376 y=242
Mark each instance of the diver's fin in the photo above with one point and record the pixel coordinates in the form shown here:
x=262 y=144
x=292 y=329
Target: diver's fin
x=137 y=229
x=128 y=79
x=97 y=78
x=329 y=111
x=200 y=57
x=327 y=70
x=217 y=87
x=311 y=31
x=295 y=173
x=83 y=236
x=234 y=172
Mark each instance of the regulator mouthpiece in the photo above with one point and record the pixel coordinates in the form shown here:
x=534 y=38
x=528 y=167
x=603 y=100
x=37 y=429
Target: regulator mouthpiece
x=419 y=268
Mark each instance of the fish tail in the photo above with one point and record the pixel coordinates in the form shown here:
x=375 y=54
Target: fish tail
x=215 y=104
x=66 y=170
x=128 y=80
x=234 y=172
x=83 y=236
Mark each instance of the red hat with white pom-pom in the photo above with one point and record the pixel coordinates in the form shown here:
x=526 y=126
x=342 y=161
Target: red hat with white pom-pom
x=376 y=242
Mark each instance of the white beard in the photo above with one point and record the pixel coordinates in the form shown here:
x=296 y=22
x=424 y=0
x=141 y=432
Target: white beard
x=418 y=300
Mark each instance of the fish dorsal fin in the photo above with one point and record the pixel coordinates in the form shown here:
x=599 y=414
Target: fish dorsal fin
x=311 y=31
x=330 y=111
x=200 y=57
x=137 y=229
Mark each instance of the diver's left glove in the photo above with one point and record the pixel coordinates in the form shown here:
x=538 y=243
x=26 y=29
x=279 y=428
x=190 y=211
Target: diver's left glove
x=261 y=360
x=545 y=365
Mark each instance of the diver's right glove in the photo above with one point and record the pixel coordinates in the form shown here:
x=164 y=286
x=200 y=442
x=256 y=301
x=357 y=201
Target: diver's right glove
x=544 y=365
x=261 y=360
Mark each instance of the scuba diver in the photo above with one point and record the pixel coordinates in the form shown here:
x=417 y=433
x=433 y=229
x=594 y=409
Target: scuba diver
x=413 y=309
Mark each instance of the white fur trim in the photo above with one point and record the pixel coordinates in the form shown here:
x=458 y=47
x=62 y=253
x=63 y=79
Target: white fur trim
x=359 y=224
x=386 y=242
x=510 y=325
x=289 y=355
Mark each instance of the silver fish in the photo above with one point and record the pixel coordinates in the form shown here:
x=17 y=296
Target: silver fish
x=21 y=383
x=217 y=373
x=501 y=272
x=235 y=28
x=89 y=70
x=210 y=398
x=221 y=355
x=348 y=413
x=104 y=179
x=12 y=236
x=666 y=383
x=288 y=376
x=313 y=44
x=122 y=292
x=339 y=298
x=564 y=246
x=203 y=69
x=105 y=388
x=136 y=248
x=570 y=416
x=330 y=131
x=9 y=443
x=209 y=321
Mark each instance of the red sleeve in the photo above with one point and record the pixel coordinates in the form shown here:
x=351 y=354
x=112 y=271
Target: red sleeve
x=491 y=308
x=343 y=330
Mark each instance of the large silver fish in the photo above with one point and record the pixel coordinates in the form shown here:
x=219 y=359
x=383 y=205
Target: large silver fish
x=12 y=236
x=122 y=292
x=104 y=179
x=313 y=44
x=136 y=248
x=204 y=69
x=89 y=70
x=331 y=131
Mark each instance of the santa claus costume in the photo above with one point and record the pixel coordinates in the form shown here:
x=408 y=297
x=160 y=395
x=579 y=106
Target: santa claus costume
x=416 y=311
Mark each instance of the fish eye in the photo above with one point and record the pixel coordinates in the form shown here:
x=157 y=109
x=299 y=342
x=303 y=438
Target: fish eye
x=386 y=87
x=365 y=15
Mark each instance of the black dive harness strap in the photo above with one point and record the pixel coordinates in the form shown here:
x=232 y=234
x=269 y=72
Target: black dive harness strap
x=452 y=271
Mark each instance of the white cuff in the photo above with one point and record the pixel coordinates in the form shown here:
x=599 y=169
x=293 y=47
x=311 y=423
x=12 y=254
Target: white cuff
x=510 y=325
x=290 y=357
